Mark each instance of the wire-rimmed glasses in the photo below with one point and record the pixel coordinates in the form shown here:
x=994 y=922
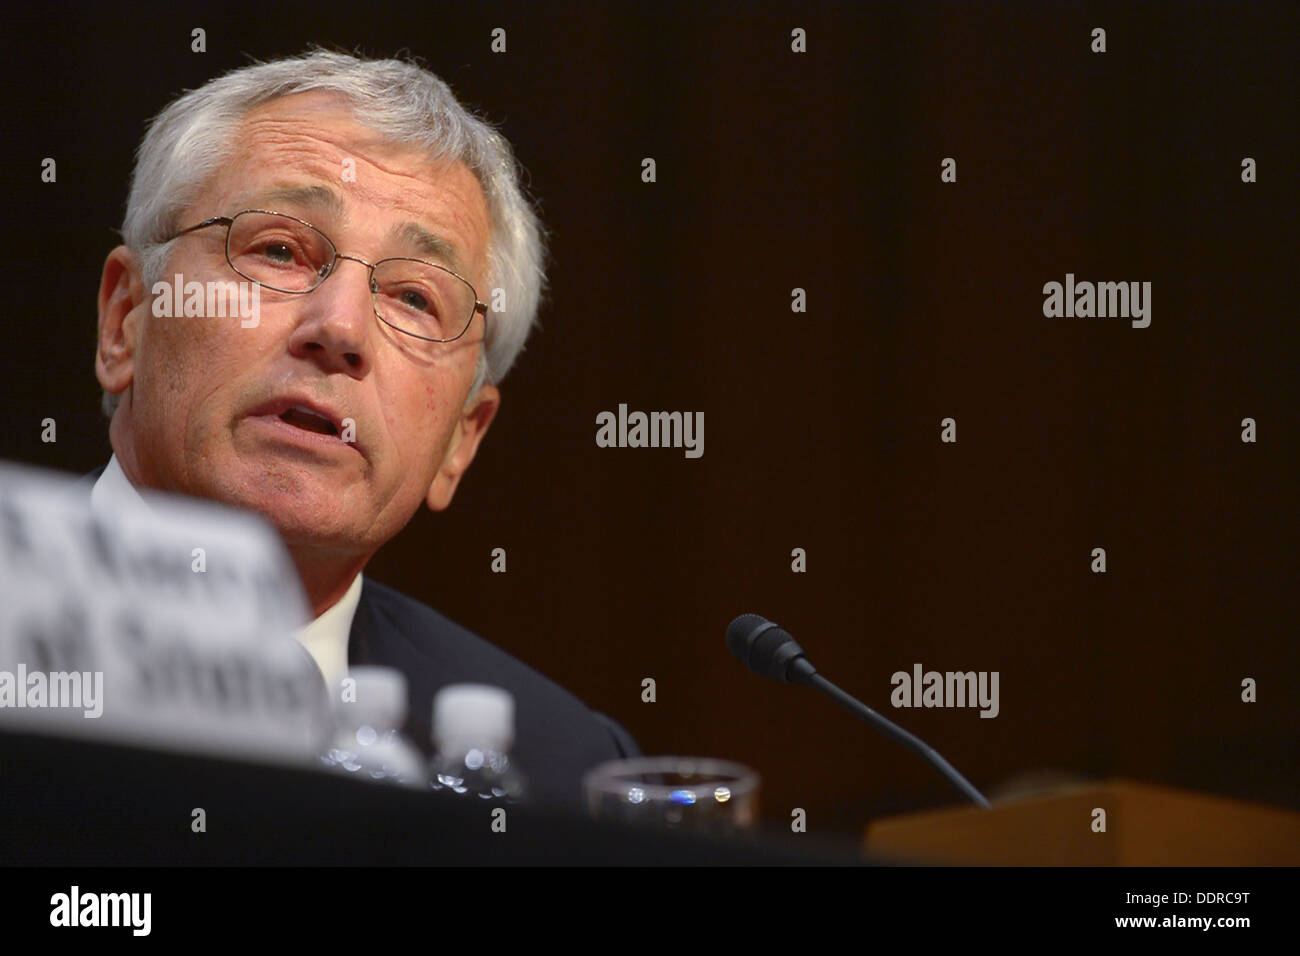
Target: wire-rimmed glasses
x=287 y=254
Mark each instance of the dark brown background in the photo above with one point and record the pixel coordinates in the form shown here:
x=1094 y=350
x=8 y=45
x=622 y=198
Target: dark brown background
x=820 y=171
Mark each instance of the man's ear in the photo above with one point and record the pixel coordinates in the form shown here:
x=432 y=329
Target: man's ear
x=471 y=428
x=122 y=299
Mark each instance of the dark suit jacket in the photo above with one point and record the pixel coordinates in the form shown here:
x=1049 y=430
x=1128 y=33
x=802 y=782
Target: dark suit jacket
x=557 y=738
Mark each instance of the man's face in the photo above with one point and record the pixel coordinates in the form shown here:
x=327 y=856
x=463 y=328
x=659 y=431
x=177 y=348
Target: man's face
x=206 y=393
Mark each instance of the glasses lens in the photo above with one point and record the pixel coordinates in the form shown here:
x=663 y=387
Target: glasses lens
x=277 y=251
x=423 y=299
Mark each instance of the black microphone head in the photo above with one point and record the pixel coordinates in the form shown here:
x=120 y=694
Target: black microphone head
x=738 y=635
x=766 y=648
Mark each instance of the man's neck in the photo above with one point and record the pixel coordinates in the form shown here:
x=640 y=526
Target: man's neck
x=325 y=578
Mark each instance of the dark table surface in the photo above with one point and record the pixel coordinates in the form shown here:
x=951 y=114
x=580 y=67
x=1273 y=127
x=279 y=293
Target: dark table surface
x=70 y=802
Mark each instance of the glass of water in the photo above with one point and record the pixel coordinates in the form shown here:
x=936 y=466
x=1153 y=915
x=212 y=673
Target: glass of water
x=685 y=793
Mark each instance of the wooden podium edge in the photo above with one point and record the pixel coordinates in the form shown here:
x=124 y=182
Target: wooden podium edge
x=1145 y=825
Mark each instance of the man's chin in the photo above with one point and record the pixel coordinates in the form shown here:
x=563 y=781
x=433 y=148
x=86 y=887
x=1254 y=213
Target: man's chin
x=306 y=509
x=306 y=532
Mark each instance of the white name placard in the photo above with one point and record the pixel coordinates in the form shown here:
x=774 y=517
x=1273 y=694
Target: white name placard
x=168 y=626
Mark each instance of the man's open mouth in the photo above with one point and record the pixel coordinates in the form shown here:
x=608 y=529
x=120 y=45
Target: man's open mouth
x=309 y=416
x=310 y=421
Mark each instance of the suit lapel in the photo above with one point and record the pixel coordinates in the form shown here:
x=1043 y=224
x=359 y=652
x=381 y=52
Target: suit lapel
x=377 y=639
x=360 y=640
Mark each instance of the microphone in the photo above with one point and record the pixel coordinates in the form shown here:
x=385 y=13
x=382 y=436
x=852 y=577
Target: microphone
x=768 y=649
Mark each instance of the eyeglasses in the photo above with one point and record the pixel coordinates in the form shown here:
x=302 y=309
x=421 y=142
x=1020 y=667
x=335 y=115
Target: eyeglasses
x=285 y=254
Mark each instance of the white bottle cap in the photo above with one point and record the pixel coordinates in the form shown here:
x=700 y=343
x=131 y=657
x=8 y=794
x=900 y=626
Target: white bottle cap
x=473 y=715
x=380 y=699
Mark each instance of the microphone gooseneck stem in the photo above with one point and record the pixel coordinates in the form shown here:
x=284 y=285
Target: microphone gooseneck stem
x=910 y=741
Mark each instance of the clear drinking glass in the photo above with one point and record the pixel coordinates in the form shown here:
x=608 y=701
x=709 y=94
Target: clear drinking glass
x=686 y=793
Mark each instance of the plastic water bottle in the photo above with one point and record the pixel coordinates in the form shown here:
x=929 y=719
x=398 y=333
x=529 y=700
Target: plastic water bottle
x=367 y=744
x=473 y=731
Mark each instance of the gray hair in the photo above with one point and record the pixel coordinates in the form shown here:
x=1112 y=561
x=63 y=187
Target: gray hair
x=188 y=141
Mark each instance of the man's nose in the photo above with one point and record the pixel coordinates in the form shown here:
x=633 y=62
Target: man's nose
x=338 y=321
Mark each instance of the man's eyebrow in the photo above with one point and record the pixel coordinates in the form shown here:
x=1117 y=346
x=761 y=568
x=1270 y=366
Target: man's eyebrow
x=428 y=245
x=321 y=197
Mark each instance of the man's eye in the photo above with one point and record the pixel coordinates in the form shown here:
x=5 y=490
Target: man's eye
x=277 y=252
x=415 y=300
